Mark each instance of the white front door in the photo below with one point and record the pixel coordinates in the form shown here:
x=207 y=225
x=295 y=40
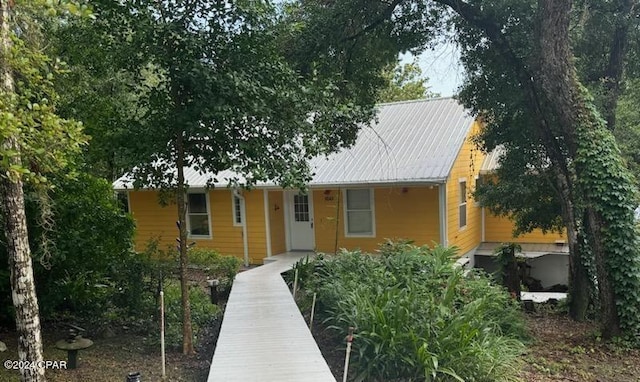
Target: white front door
x=300 y=220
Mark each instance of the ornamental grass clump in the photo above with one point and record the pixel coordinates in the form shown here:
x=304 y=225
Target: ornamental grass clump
x=419 y=317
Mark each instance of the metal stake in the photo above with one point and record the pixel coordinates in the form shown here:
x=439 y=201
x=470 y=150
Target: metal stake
x=313 y=309
x=162 y=351
x=346 y=359
x=295 y=283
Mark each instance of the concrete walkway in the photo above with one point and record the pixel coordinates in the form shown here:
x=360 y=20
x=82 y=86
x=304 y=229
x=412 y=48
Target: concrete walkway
x=263 y=336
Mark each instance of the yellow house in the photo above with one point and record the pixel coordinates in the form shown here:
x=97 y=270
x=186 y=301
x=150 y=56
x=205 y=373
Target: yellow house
x=410 y=175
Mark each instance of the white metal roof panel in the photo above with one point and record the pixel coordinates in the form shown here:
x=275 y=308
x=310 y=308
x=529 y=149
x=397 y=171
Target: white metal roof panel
x=411 y=142
x=415 y=141
x=492 y=161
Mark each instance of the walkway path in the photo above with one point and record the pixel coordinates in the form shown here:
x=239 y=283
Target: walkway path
x=263 y=336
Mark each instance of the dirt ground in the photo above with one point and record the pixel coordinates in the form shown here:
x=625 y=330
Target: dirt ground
x=562 y=350
x=111 y=359
x=570 y=351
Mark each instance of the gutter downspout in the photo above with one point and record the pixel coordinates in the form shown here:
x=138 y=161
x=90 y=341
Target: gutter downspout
x=243 y=214
x=483 y=226
x=267 y=221
x=442 y=209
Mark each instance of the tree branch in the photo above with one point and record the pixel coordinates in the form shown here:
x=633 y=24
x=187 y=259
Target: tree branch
x=386 y=15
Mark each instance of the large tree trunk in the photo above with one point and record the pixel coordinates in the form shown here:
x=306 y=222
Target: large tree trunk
x=187 y=330
x=23 y=291
x=615 y=66
x=585 y=154
x=594 y=162
x=579 y=285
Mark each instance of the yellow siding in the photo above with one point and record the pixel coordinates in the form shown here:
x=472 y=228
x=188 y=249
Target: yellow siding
x=152 y=220
x=410 y=215
x=254 y=202
x=156 y=221
x=466 y=166
x=500 y=230
x=276 y=218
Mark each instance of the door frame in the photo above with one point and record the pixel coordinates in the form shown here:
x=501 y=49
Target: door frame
x=288 y=200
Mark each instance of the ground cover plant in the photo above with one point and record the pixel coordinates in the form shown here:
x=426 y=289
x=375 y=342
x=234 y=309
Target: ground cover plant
x=417 y=315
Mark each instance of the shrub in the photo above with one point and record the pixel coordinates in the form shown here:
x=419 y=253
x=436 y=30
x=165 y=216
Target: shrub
x=202 y=312
x=217 y=266
x=418 y=316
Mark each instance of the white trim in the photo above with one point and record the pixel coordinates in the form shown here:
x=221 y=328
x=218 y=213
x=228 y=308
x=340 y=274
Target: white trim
x=206 y=194
x=286 y=195
x=466 y=205
x=476 y=203
x=129 y=210
x=483 y=236
x=233 y=210
x=267 y=221
x=372 y=205
x=243 y=213
x=442 y=211
x=288 y=199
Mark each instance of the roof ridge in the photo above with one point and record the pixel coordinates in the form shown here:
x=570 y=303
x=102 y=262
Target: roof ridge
x=416 y=101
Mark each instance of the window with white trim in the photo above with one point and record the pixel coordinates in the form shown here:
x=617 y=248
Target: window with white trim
x=462 y=207
x=237 y=210
x=359 y=212
x=198 y=215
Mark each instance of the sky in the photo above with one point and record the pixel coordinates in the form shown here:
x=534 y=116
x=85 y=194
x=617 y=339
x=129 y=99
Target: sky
x=441 y=65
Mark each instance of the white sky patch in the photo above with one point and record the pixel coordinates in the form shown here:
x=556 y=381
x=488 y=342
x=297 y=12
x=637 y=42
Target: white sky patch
x=442 y=66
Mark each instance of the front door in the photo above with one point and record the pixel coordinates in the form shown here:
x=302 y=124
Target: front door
x=301 y=221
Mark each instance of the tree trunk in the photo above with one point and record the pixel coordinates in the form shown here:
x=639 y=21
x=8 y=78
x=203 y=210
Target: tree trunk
x=187 y=330
x=615 y=66
x=23 y=291
x=510 y=271
x=579 y=285
x=596 y=165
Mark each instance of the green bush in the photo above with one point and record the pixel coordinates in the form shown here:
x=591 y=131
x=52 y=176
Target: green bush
x=202 y=312
x=217 y=266
x=418 y=316
x=91 y=268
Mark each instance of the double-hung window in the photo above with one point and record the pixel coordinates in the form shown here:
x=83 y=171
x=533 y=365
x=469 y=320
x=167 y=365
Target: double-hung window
x=359 y=212
x=198 y=219
x=462 y=207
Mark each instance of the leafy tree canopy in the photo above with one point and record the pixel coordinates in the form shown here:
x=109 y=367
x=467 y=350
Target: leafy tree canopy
x=404 y=83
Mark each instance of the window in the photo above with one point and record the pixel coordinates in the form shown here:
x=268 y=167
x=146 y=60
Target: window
x=123 y=200
x=462 y=209
x=237 y=210
x=479 y=183
x=359 y=214
x=301 y=208
x=198 y=215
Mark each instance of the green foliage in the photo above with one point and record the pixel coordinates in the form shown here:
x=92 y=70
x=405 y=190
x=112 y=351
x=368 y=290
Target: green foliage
x=404 y=83
x=91 y=266
x=47 y=143
x=202 y=312
x=609 y=187
x=627 y=131
x=418 y=316
x=223 y=268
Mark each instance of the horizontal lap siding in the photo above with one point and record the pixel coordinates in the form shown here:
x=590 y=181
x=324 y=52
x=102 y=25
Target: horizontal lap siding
x=276 y=218
x=409 y=215
x=499 y=229
x=156 y=221
x=467 y=166
x=153 y=221
x=254 y=202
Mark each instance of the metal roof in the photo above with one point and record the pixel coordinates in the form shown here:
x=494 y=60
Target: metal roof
x=492 y=161
x=411 y=142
